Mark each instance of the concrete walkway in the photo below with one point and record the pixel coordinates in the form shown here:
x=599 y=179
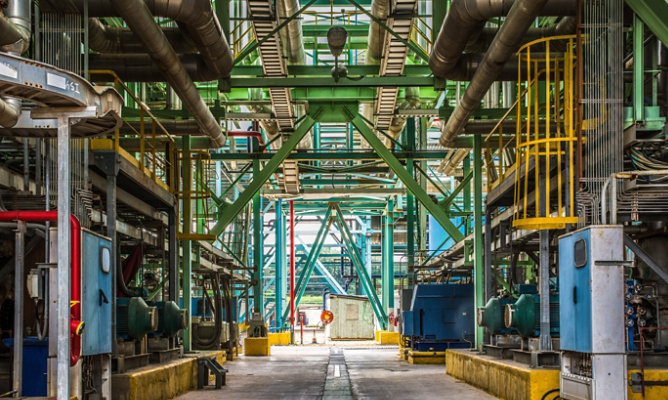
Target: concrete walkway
x=344 y=371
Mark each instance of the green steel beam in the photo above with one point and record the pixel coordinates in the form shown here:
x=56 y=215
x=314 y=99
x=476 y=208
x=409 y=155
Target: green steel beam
x=186 y=259
x=409 y=134
x=387 y=274
x=638 y=68
x=478 y=264
x=229 y=213
x=309 y=30
x=331 y=155
x=466 y=180
x=653 y=13
x=258 y=243
x=329 y=82
x=365 y=280
x=411 y=185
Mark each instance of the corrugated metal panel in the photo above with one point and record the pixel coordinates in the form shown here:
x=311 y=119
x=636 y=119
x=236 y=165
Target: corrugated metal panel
x=353 y=318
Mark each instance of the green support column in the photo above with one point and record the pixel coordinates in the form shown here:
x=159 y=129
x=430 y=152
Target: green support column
x=279 y=264
x=466 y=169
x=638 y=69
x=422 y=214
x=387 y=276
x=199 y=202
x=258 y=243
x=187 y=244
x=478 y=264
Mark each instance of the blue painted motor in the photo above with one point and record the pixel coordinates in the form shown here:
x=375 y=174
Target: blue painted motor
x=441 y=317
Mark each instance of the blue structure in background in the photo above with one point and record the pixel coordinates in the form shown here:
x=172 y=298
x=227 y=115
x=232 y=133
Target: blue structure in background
x=441 y=317
x=35 y=353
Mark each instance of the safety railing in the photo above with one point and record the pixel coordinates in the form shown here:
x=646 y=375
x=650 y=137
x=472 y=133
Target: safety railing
x=241 y=36
x=421 y=34
x=150 y=153
x=545 y=135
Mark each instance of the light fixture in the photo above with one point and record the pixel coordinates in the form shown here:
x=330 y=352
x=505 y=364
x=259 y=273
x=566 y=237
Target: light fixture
x=336 y=40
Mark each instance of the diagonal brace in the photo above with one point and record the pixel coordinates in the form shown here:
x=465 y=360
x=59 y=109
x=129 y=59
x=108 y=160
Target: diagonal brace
x=436 y=210
x=230 y=212
x=359 y=266
x=445 y=203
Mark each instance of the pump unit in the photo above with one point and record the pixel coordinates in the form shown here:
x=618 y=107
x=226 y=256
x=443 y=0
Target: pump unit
x=524 y=315
x=135 y=318
x=441 y=317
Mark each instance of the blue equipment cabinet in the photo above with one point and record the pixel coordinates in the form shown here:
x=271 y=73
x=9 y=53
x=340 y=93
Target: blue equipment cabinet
x=96 y=293
x=591 y=290
x=441 y=317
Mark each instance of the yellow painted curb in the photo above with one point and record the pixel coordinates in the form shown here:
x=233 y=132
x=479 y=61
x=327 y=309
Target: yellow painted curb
x=502 y=379
x=426 y=357
x=160 y=382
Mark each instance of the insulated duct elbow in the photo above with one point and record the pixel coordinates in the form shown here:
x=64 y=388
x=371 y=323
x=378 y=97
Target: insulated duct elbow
x=465 y=21
x=519 y=19
x=10 y=110
x=139 y=18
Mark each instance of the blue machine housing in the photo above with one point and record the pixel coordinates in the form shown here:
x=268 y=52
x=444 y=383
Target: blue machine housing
x=441 y=317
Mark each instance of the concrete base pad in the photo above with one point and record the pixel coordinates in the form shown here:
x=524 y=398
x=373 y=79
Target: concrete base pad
x=257 y=347
x=501 y=378
x=426 y=357
x=385 y=337
x=160 y=382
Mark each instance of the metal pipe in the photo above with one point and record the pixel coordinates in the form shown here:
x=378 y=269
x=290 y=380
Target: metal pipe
x=291 y=36
x=16 y=21
x=75 y=325
x=380 y=9
x=466 y=17
x=292 y=266
x=520 y=17
x=139 y=18
x=196 y=17
x=106 y=39
x=19 y=260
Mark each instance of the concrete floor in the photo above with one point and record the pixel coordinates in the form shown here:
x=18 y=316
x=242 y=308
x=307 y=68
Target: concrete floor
x=342 y=371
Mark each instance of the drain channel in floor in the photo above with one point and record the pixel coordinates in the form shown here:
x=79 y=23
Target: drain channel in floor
x=337 y=384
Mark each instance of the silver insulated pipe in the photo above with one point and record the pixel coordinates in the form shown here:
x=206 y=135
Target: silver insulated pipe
x=465 y=21
x=139 y=18
x=380 y=9
x=520 y=17
x=14 y=39
x=291 y=35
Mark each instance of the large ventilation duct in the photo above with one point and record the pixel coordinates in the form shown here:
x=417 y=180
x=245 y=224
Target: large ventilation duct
x=465 y=18
x=111 y=40
x=196 y=17
x=14 y=39
x=291 y=35
x=139 y=18
x=520 y=17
